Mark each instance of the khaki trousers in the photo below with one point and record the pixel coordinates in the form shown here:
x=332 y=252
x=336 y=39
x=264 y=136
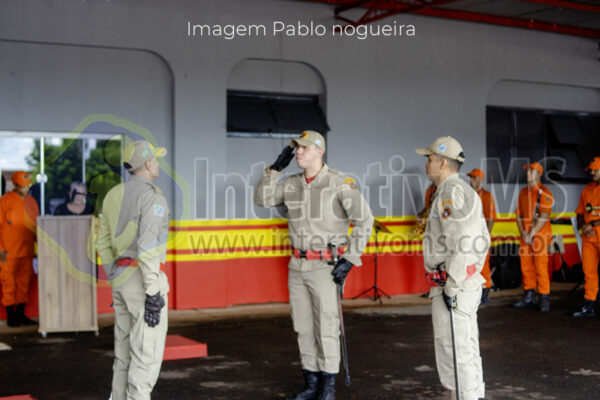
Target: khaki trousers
x=470 y=372
x=139 y=348
x=315 y=314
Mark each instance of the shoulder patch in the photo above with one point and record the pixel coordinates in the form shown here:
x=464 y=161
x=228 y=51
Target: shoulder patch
x=447 y=212
x=350 y=182
x=159 y=210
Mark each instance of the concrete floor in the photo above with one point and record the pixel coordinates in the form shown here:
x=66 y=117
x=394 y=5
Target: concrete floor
x=253 y=355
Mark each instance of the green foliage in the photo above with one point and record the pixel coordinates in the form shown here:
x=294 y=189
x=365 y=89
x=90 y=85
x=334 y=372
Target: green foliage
x=63 y=166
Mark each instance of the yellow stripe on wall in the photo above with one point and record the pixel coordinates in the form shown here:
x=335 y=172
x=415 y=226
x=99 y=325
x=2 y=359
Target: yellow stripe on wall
x=238 y=239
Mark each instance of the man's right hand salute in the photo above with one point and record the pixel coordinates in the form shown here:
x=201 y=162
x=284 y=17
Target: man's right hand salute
x=284 y=159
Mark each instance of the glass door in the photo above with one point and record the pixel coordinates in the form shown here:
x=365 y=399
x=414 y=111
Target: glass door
x=56 y=160
x=102 y=168
x=62 y=165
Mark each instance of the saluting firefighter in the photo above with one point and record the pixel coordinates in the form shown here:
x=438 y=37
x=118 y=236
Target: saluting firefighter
x=455 y=246
x=489 y=213
x=588 y=220
x=321 y=203
x=132 y=246
x=533 y=221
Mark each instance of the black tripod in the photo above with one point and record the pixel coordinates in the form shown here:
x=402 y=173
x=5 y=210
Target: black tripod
x=377 y=291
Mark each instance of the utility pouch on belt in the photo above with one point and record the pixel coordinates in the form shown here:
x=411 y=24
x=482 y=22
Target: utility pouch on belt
x=437 y=277
x=325 y=255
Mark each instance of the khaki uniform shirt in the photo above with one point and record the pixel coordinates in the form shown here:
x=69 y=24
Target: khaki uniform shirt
x=135 y=224
x=457 y=236
x=319 y=212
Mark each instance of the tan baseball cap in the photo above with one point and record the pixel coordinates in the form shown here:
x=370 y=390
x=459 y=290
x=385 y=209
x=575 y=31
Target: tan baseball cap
x=137 y=153
x=445 y=146
x=307 y=138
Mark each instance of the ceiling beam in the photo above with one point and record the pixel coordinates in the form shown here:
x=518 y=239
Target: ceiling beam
x=378 y=9
x=566 y=4
x=507 y=21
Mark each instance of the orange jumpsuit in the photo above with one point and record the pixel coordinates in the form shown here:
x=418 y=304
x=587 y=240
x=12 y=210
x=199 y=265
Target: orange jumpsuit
x=489 y=212
x=590 y=247
x=17 y=237
x=534 y=257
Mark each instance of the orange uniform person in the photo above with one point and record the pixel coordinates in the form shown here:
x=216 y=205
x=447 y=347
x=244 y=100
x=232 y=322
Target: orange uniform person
x=588 y=220
x=533 y=220
x=429 y=195
x=18 y=214
x=489 y=213
x=421 y=221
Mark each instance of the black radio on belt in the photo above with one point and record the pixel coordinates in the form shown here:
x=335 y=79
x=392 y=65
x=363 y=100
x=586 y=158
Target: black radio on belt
x=589 y=208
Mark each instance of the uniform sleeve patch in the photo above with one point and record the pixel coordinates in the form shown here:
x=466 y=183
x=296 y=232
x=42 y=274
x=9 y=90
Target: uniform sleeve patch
x=447 y=203
x=351 y=183
x=159 y=210
x=446 y=213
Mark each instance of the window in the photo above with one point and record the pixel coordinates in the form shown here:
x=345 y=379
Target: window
x=271 y=114
x=275 y=98
x=563 y=142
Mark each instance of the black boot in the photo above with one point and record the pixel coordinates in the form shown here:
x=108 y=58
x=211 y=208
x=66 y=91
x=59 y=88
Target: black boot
x=310 y=392
x=588 y=310
x=11 y=317
x=23 y=320
x=544 y=302
x=327 y=390
x=485 y=296
x=527 y=301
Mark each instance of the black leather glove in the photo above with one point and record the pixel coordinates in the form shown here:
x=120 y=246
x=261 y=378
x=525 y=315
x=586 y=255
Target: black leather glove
x=450 y=301
x=284 y=159
x=152 y=309
x=341 y=270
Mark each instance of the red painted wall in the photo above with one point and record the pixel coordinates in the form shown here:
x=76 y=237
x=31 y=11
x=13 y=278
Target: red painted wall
x=214 y=284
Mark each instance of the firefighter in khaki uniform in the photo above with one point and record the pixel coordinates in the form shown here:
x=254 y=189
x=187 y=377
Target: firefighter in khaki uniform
x=533 y=220
x=18 y=214
x=321 y=203
x=132 y=245
x=455 y=246
x=588 y=220
x=489 y=213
